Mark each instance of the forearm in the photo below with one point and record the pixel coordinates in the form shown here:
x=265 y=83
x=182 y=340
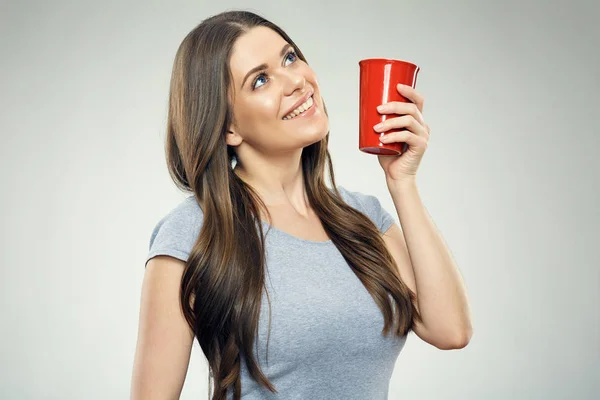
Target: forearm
x=442 y=297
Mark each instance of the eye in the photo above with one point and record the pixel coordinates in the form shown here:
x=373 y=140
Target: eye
x=258 y=78
x=291 y=53
x=263 y=74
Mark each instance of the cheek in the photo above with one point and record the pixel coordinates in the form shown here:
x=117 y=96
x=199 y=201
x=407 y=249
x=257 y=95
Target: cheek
x=257 y=117
x=261 y=110
x=267 y=106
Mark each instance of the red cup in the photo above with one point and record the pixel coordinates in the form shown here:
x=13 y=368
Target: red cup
x=378 y=79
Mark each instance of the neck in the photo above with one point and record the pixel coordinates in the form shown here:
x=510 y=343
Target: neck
x=278 y=180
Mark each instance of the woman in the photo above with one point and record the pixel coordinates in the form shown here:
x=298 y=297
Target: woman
x=264 y=253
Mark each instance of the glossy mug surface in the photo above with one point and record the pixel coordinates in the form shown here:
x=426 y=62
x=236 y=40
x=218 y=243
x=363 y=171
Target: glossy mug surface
x=378 y=79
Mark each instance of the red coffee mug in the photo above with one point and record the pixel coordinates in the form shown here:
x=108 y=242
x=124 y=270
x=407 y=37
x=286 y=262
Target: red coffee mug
x=378 y=79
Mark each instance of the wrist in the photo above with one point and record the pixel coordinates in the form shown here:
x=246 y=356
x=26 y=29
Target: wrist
x=409 y=181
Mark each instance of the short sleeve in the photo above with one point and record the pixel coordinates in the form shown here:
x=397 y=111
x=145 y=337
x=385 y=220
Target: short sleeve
x=175 y=234
x=370 y=206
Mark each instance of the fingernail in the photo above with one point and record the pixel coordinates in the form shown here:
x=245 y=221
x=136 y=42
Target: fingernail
x=378 y=126
x=380 y=107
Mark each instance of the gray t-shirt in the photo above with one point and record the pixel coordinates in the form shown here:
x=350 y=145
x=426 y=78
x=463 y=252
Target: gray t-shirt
x=325 y=340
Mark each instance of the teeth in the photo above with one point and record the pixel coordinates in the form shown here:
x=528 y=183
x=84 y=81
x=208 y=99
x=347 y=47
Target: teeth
x=300 y=109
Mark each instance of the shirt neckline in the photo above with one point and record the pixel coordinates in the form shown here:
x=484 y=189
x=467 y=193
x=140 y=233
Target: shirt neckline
x=290 y=236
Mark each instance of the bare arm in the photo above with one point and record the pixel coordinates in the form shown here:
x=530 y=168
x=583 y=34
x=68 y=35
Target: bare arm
x=427 y=267
x=164 y=340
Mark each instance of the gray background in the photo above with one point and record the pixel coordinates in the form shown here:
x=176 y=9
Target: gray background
x=510 y=178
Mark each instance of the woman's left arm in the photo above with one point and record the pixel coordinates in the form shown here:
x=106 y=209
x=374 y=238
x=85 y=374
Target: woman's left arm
x=424 y=262
x=427 y=267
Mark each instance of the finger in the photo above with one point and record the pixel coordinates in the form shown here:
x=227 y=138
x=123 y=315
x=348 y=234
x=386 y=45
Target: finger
x=405 y=121
x=402 y=108
x=411 y=93
x=405 y=137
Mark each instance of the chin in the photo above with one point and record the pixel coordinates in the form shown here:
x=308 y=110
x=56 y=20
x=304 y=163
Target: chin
x=312 y=133
x=314 y=137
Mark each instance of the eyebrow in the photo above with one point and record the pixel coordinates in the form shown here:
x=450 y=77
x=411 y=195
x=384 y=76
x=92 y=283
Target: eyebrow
x=265 y=66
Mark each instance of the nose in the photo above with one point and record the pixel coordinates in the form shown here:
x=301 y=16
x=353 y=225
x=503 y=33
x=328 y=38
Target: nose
x=294 y=81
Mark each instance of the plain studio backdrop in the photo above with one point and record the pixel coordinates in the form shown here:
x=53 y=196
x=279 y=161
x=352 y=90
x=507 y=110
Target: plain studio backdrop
x=511 y=178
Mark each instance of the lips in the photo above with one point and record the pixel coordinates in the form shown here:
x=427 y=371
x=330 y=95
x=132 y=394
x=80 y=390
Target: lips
x=300 y=101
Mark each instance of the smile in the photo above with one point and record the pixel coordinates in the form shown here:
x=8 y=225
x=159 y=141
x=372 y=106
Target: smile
x=306 y=108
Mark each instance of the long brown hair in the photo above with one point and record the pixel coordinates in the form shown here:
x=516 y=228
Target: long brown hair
x=224 y=277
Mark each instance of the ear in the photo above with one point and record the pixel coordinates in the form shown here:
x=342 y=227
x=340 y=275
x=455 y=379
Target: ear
x=232 y=138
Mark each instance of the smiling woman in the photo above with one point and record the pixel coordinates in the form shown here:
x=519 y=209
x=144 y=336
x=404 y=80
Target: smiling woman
x=247 y=135
x=272 y=82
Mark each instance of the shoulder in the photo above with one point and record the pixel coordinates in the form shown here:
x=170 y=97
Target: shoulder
x=362 y=201
x=351 y=197
x=369 y=205
x=176 y=232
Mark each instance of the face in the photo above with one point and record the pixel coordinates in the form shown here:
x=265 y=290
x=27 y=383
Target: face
x=262 y=99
